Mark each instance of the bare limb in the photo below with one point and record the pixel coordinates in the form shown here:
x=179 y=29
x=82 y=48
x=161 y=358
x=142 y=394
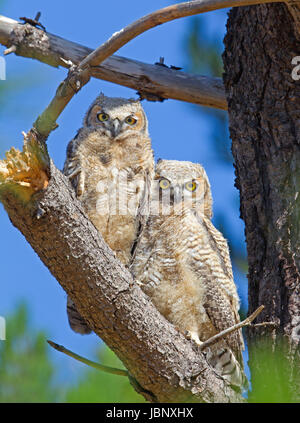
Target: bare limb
x=80 y=75
x=227 y=331
x=167 y=14
x=98 y=366
x=75 y=80
x=160 y=81
x=10 y=50
x=264 y=324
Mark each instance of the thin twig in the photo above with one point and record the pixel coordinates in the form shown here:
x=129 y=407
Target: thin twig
x=10 y=50
x=225 y=332
x=264 y=324
x=167 y=14
x=98 y=366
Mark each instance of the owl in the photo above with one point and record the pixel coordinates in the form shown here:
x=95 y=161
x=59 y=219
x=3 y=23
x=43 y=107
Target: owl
x=110 y=165
x=182 y=263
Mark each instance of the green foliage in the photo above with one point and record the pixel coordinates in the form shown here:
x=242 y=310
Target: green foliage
x=204 y=54
x=97 y=386
x=27 y=373
x=25 y=370
x=273 y=373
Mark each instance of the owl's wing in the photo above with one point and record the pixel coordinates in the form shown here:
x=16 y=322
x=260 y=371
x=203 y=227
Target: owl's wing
x=221 y=245
x=76 y=321
x=142 y=213
x=221 y=299
x=222 y=314
x=72 y=166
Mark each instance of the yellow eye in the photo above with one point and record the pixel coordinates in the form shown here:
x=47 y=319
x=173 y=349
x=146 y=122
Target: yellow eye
x=130 y=120
x=102 y=117
x=191 y=186
x=164 y=184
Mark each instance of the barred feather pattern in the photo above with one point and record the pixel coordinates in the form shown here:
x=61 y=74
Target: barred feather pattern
x=110 y=166
x=182 y=262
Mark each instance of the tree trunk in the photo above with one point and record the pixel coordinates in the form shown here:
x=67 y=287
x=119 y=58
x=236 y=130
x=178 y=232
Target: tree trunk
x=264 y=115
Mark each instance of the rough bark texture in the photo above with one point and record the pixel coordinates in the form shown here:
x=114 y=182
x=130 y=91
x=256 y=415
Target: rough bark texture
x=165 y=366
x=294 y=9
x=264 y=114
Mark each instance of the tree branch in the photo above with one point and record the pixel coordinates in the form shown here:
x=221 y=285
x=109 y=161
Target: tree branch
x=167 y=14
x=162 y=82
x=166 y=366
x=227 y=331
x=28 y=41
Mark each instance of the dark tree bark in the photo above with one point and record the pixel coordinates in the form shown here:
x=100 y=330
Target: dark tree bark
x=264 y=114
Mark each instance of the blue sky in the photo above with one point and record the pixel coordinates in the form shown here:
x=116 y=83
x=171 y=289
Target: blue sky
x=177 y=130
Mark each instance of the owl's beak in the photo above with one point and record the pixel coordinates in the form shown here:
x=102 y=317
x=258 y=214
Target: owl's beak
x=176 y=194
x=115 y=128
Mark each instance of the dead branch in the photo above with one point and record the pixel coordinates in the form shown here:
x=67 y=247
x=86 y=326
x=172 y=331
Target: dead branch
x=28 y=41
x=167 y=14
x=162 y=82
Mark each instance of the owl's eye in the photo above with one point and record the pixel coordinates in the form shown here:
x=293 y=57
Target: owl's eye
x=191 y=186
x=164 y=184
x=102 y=117
x=130 y=120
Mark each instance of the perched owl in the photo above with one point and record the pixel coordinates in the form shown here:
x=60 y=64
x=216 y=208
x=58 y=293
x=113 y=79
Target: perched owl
x=182 y=262
x=110 y=164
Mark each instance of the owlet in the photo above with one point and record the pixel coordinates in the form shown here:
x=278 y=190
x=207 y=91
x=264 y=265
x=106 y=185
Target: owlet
x=110 y=164
x=182 y=262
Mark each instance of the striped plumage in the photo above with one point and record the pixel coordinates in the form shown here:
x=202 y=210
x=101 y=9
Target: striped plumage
x=182 y=262
x=110 y=164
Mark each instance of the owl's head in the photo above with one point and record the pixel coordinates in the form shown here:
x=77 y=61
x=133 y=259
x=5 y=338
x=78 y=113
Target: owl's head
x=182 y=184
x=116 y=117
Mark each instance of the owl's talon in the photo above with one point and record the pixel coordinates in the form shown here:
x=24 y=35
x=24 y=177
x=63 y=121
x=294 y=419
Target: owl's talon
x=194 y=337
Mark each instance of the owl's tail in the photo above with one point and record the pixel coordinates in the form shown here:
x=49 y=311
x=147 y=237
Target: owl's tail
x=76 y=321
x=225 y=363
